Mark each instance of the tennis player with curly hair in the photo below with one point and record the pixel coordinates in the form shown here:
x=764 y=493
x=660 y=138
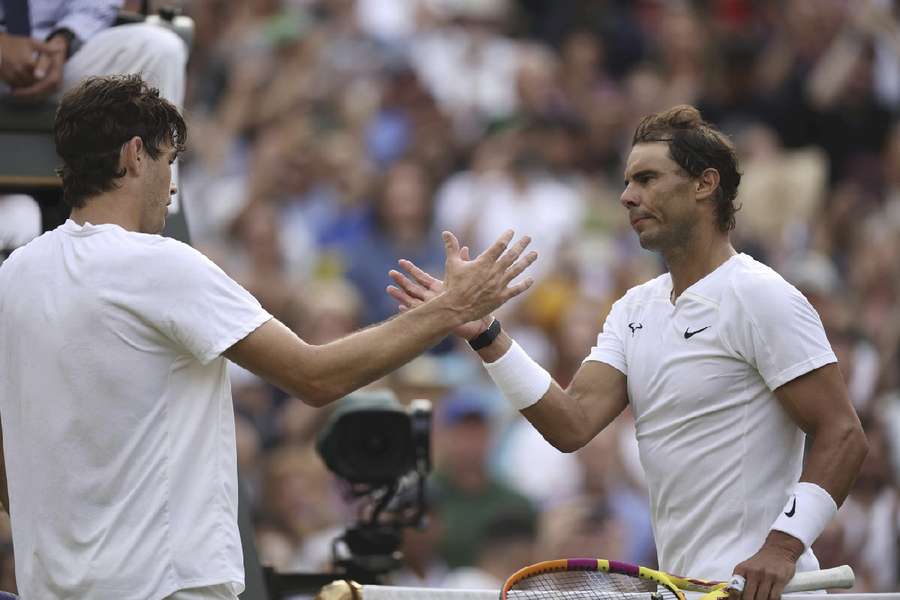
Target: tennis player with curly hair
x=118 y=428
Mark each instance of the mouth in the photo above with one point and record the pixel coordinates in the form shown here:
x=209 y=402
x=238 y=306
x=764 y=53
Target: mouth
x=636 y=220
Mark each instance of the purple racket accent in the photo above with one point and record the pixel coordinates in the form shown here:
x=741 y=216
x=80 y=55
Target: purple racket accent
x=582 y=564
x=624 y=568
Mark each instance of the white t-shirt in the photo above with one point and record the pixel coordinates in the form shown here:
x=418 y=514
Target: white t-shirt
x=720 y=453
x=118 y=426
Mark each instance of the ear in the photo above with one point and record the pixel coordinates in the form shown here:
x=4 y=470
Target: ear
x=707 y=184
x=133 y=156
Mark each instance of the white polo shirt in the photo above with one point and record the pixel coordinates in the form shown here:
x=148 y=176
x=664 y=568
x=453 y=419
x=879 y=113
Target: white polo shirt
x=118 y=426
x=719 y=451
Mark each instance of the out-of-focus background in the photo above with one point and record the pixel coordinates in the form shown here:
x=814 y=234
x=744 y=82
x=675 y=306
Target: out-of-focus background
x=328 y=138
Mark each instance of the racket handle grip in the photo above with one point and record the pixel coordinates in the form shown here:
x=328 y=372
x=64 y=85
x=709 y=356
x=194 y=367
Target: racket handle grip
x=737 y=583
x=808 y=581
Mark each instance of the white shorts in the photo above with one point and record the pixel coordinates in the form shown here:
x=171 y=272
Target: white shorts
x=223 y=591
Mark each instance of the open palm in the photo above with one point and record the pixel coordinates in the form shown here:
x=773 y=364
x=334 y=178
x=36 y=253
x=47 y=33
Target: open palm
x=416 y=287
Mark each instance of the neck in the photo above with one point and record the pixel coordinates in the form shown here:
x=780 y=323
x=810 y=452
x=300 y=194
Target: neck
x=108 y=208
x=693 y=261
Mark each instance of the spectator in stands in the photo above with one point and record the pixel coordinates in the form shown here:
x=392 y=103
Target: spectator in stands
x=402 y=224
x=50 y=45
x=468 y=497
x=508 y=544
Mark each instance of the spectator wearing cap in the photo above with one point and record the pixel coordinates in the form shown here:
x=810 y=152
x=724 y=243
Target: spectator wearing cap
x=468 y=497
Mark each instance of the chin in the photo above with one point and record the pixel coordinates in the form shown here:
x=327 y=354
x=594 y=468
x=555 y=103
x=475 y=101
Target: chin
x=648 y=242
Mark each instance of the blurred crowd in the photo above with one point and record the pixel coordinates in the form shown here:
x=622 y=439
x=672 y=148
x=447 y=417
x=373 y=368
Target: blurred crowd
x=331 y=137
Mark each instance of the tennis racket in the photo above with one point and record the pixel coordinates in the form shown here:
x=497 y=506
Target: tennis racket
x=599 y=579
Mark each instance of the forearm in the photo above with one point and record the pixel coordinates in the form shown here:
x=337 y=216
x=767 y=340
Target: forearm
x=560 y=419
x=833 y=72
x=339 y=367
x=561 y=416
x=834 y=458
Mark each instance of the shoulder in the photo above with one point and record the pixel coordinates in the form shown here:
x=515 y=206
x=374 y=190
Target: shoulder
x=750 y=281
x=760 y=293
x=163 y=252
x=159 y=263
x=30 y=258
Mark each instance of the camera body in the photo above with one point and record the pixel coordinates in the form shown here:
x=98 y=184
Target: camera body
x=383 y=450
x=371 y=439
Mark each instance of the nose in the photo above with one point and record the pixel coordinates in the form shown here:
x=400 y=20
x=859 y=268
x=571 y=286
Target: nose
x=629 y=197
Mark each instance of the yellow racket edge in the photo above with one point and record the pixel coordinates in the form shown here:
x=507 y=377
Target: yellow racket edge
x=589 y=564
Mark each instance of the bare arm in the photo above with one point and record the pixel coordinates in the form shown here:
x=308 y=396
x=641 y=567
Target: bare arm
x=818 y=403
x=320 y=374
x=570 y=418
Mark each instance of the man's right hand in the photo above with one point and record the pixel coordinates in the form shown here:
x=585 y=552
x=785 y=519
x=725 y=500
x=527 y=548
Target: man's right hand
x=416 y=287
x=18 y=59
x=474 y=288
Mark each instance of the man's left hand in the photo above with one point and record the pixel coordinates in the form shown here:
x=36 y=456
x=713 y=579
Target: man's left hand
x=48 y=71
x=769 y=570
x=416 y=287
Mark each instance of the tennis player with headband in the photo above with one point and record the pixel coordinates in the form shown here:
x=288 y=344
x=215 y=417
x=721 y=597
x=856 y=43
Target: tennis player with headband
x=725 y=365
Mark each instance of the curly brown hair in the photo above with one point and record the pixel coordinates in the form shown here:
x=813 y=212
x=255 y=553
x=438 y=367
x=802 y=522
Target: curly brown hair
x=695 y=146
x=96 y=118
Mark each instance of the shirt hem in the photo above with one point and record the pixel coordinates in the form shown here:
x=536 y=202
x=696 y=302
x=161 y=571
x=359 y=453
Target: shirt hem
x=604 y=360
x=802 y=368
x=216 y=350
x=237 y=583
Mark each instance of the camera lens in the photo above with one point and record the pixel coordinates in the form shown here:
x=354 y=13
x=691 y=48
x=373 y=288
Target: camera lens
x=375 y=444
x=371 y=446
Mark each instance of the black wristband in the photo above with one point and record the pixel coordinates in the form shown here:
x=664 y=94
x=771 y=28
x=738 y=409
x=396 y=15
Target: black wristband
x=486 y=337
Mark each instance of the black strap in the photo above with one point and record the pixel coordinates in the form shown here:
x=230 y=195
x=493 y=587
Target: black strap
x=486 y=337
x=17 y=17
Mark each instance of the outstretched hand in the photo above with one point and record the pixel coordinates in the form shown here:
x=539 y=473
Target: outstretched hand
x=417 y=286
x=476 y=287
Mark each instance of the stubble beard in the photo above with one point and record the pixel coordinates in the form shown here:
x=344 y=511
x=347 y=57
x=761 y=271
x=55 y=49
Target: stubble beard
x=668 y=239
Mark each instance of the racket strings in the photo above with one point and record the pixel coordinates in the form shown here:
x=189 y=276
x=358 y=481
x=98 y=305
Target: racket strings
x=587 y=585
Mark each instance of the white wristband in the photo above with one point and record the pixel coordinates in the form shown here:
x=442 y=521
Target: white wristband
x=808 y=510
x=521 y=380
